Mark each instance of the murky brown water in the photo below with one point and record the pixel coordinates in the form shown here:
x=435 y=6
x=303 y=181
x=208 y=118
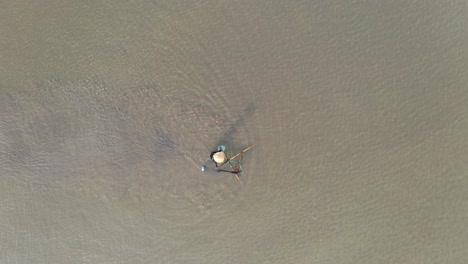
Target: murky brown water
x=108 y=110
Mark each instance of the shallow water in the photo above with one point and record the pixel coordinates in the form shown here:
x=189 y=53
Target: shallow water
x=358 y=113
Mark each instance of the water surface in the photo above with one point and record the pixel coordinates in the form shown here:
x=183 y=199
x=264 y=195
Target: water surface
x=108 y=110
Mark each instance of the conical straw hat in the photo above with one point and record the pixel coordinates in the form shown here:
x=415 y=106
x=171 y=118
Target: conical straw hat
x=219 y=157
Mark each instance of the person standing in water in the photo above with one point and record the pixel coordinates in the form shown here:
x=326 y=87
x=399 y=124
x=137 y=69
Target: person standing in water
x=219 y=157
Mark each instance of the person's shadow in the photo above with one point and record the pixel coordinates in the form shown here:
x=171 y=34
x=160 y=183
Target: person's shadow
x=227 y=138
